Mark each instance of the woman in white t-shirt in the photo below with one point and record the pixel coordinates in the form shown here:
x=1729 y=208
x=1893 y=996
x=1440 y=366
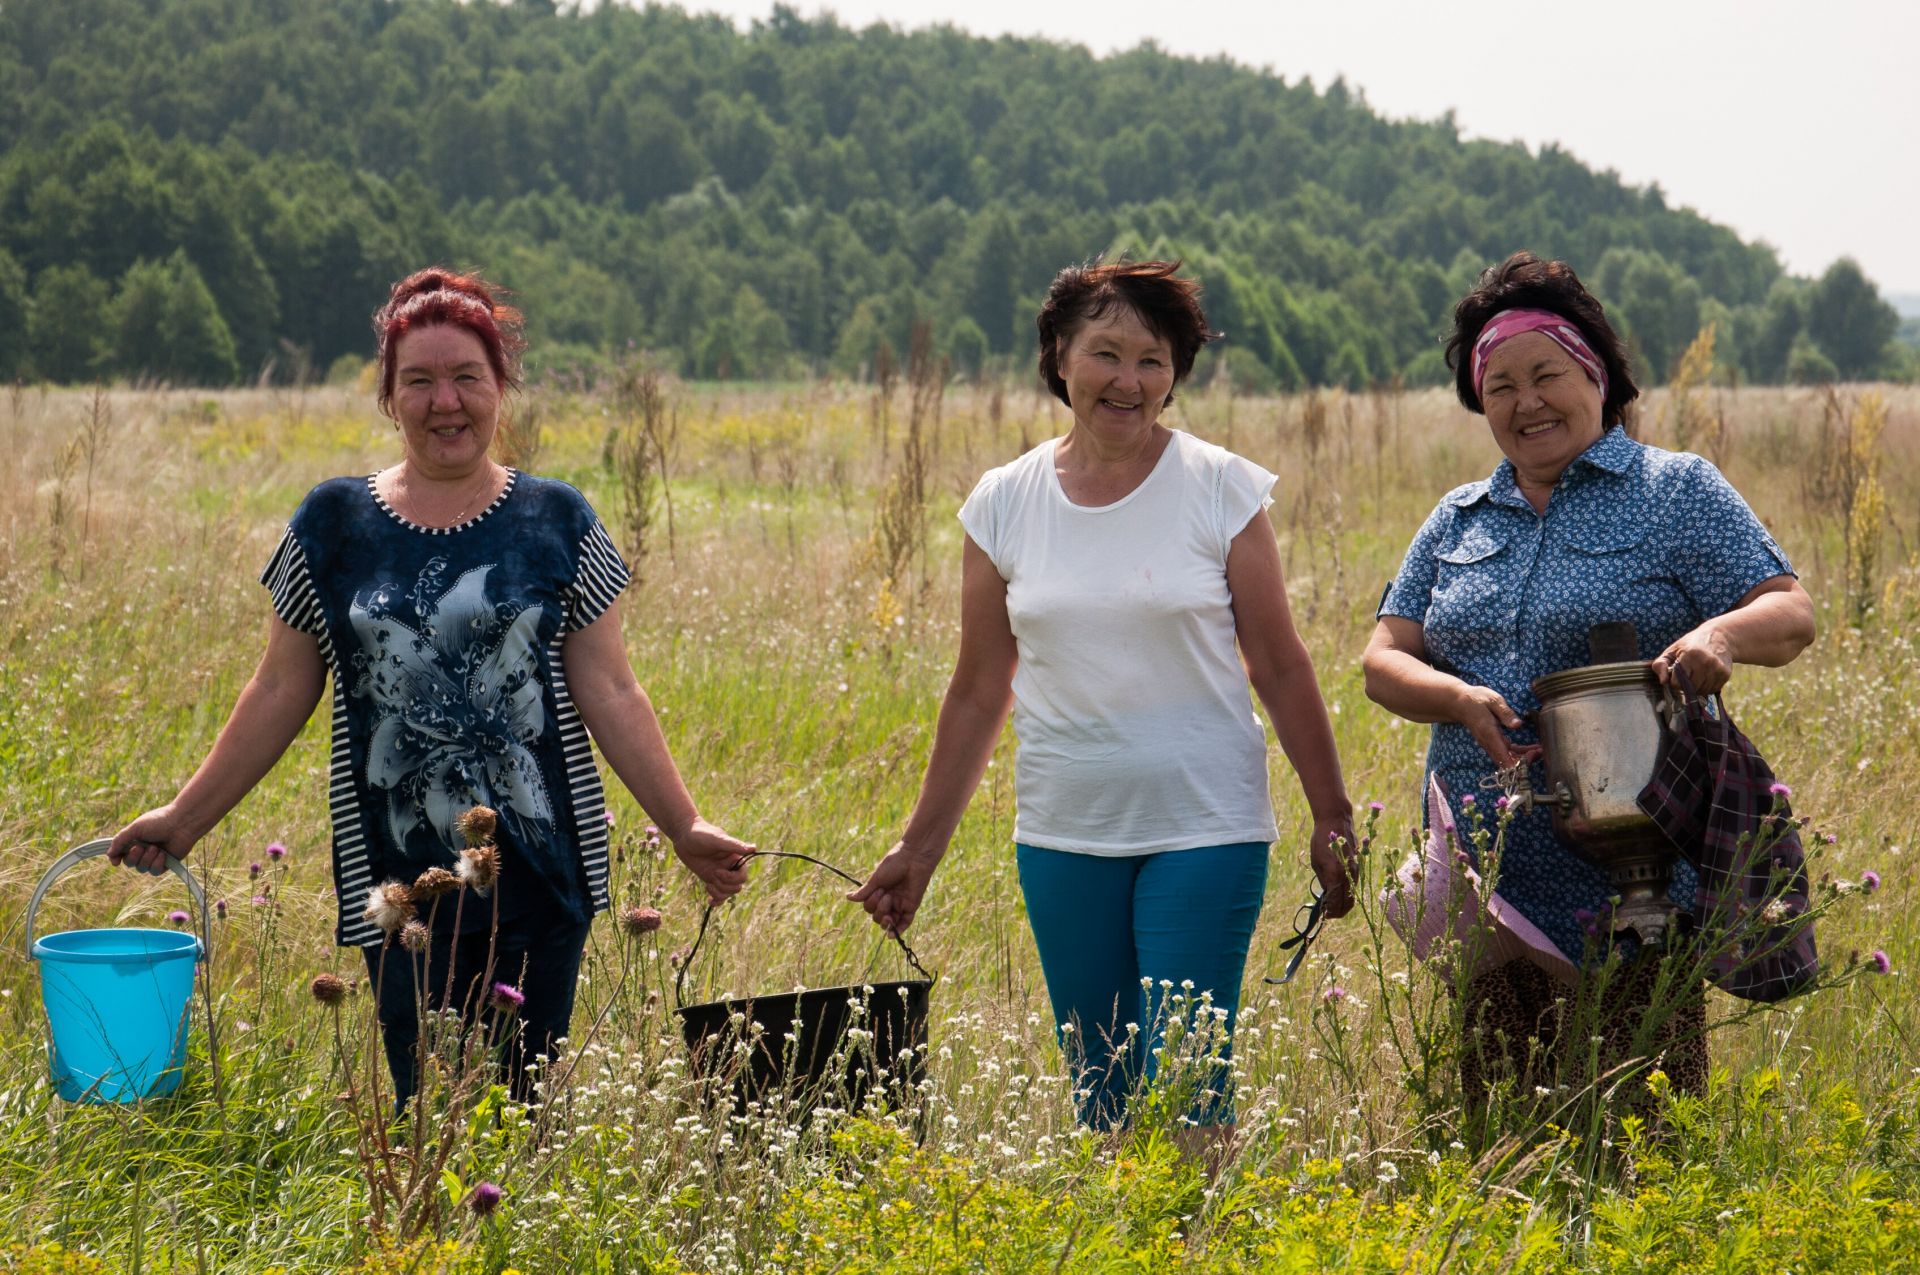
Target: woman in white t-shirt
x=1120 y=589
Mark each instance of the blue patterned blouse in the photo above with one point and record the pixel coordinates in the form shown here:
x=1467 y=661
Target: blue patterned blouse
x=444 y=645
x=1504 y=595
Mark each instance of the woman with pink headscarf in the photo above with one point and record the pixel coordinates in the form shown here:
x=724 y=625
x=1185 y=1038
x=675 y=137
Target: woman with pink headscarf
x=1580 y=524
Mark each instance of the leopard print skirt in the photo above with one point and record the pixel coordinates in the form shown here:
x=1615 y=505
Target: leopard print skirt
x=1524 y=1027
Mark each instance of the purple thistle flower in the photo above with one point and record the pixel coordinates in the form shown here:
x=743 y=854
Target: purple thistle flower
x=507 y=999
x=1502 y=802
x=178 y=917
x=259 y=900
x=1376 y=806
x=1334 y=995
x=1881 y=962
x=609 y=818
x=1869 y=881
x=1828 y=837
x=484 y=1200
x=276 y=851
x=220 y=908
x=1467 y=799
x=253 y=869
x=1781 y=791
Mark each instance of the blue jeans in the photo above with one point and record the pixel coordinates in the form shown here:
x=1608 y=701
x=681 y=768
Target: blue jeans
x=544 y=965
x=1104 y=925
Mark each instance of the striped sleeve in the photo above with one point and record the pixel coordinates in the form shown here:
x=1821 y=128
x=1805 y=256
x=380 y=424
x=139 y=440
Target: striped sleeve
x=599 y=576
x=295 y=600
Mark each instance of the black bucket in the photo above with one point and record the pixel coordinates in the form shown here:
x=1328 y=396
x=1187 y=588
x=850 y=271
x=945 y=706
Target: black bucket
x=822 y=1045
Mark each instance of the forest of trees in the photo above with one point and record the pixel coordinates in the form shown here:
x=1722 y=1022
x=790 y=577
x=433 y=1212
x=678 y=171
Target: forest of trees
x=207 y=191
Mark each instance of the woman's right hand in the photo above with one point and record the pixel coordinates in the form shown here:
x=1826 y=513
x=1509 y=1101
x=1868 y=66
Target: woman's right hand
x=717 y=857
x=893 y=890
x=1487 y=718
x=149 y=841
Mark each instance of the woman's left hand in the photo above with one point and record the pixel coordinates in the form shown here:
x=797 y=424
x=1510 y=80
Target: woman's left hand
x=716 y=857
x=1704 y=653
x=1336 y=858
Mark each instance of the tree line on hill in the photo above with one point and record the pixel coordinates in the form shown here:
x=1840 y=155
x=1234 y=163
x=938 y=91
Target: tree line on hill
x=207 y=191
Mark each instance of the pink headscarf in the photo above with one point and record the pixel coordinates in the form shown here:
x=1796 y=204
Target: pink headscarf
x=1507 y=324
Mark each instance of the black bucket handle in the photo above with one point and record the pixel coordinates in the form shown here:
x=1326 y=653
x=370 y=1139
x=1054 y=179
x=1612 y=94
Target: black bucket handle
x=680 y=977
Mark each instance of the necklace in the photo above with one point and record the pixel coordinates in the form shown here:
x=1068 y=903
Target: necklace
x=400 y=489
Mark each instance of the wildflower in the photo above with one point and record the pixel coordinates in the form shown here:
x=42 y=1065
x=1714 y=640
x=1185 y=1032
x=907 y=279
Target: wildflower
x=1502 y=802
x=389 y=907
x=253 y=870
x=328 y=989
x=259 y=900
x=477 y=825
x=1781 y=791
x=1388 y=1172
x=276 y=851
x=636 y=920
x=1334 y=995
x=220 y=908
x=609 y=818
x=484 y=1200
x=478 y=868
x=1777 y=912
x=177 y=917
x=507 y=999
x=1869 y=881
x=433 y=883
x=1466 y=799
x=415 y=936
x=1881 y=962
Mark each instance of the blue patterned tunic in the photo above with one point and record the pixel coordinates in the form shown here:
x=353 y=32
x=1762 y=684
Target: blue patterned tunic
x=449 y=691
x=1504 y=595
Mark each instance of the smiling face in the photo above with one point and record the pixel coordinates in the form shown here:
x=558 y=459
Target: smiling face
x=1543 y=409
x=445 y=400
x=1118 y=374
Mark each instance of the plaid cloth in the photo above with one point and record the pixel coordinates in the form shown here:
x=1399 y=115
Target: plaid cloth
x=1715 y=798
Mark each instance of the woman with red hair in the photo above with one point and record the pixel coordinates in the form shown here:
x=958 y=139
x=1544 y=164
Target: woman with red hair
x=469 y=617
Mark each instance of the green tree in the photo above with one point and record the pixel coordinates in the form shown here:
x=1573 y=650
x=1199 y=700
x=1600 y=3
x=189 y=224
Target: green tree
x=1847 y=316
x=165 y=324
x=67 y=323
x=13 y=316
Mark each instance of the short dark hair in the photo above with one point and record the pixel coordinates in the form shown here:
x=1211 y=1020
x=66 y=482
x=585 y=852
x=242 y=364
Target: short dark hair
x=1166 y=303
x=1524 y=282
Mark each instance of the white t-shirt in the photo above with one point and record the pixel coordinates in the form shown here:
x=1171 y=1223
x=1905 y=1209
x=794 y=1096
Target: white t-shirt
x=1137 y=731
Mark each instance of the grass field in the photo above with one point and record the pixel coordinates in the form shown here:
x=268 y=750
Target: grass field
x=796 y=626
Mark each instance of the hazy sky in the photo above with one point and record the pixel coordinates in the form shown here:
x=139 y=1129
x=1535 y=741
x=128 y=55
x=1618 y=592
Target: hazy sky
x=1796 y=123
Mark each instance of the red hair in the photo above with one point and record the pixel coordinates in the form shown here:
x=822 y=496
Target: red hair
x=436 y=296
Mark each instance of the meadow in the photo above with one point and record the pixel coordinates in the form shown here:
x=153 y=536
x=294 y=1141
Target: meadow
x=794 y=618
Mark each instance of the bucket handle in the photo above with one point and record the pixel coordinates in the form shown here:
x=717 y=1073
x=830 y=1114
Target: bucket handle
x=93 y=850
x=680 y=977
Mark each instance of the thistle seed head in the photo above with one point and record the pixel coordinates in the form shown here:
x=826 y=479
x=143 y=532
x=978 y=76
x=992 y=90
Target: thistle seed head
x=478 y=824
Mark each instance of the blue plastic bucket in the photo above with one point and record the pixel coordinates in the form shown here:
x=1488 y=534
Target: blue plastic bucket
x=118 y=1001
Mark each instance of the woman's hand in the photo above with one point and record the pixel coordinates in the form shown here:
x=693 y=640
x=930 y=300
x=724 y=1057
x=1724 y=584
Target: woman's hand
x=1704 y=653
x=1335 y=855
x=716 y=857
x=1487 y=718
x=894 y=888
x=149 y=841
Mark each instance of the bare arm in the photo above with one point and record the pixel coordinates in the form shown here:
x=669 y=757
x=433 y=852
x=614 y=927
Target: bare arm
x=978 y=699
x=1400 y=680
x=1281 y=672
x=274 y=705
x=1770 y=624
x=621 y=720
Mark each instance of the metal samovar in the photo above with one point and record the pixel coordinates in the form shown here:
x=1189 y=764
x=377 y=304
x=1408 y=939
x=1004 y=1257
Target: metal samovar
x=1603 y=728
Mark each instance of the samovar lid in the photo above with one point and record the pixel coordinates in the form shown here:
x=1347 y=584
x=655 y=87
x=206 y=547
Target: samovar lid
x=1594 y=677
